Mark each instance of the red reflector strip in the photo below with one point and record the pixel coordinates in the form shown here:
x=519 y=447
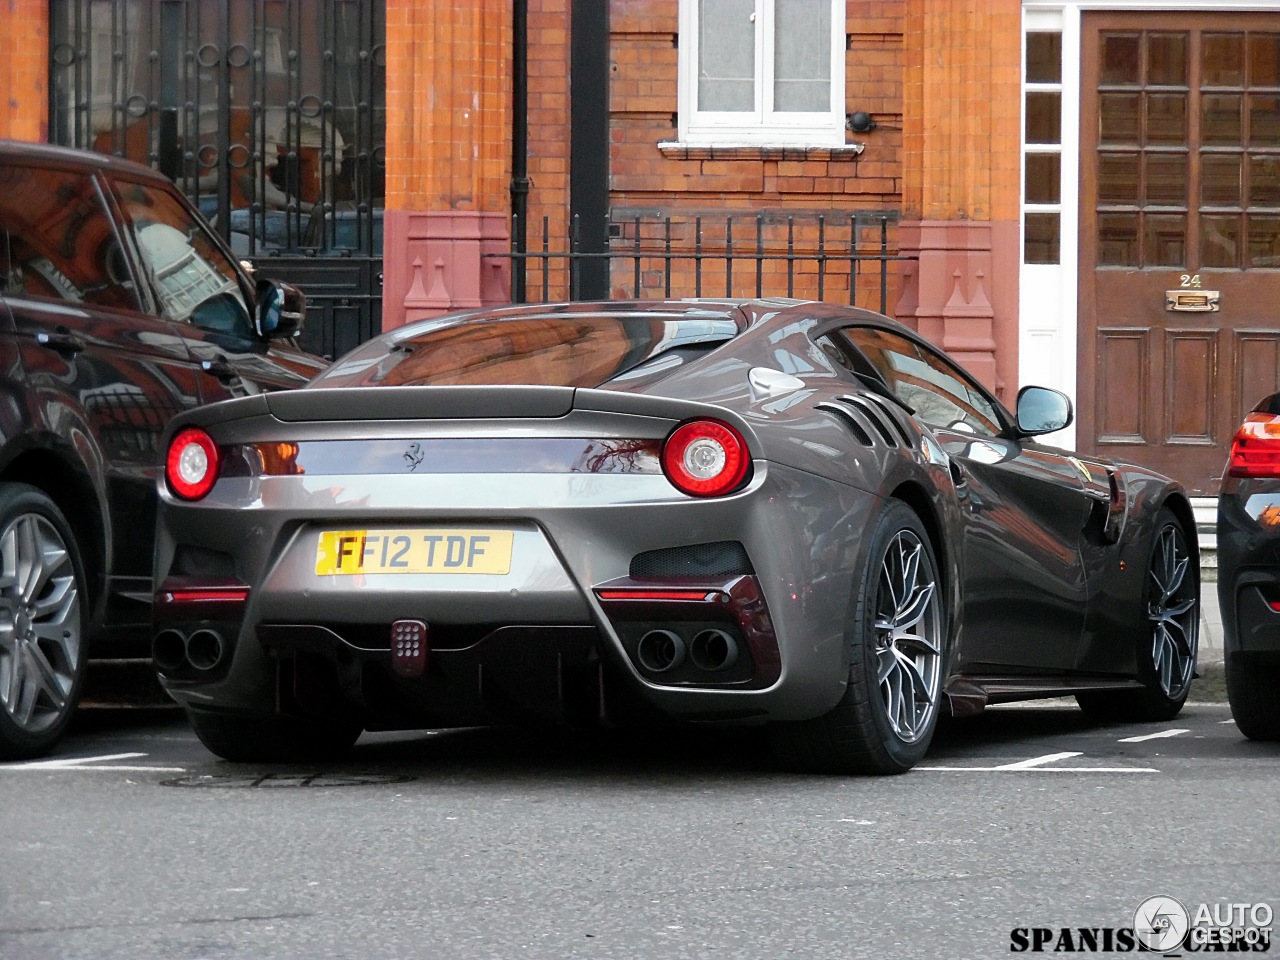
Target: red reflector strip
x=1274 y=605
x=696 y=595
x=212 y=595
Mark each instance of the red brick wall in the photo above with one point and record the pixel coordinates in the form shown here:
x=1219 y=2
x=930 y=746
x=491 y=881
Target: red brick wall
x=790 y=189
x=548 y=148
x=24 y=69
x=449 y=105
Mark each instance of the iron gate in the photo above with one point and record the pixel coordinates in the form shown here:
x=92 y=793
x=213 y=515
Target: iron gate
x=269 y=114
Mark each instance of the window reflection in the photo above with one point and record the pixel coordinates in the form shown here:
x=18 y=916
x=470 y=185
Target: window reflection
x=939 y=393
x=193 y=278
x=57 y=241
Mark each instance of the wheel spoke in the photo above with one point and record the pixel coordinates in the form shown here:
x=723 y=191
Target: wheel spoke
x=1179 y=607
x=908 y=720
x=26 y=557
x=905 y=640
x=892 y=687
x=910 y=563
x=884 y=664
x=13 y=687
x=55 y=599
x=912 y=671
x=1178 y=637
x=46 y=678
x=1161 y=657
x=889 y=586
x=914 y=610
x=28 y=691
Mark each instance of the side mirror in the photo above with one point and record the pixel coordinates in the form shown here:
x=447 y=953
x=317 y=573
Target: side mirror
x=1041 y=410
x=280 y=311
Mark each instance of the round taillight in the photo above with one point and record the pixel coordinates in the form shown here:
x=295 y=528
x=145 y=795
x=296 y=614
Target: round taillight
x=705 y=458
x=192 y=465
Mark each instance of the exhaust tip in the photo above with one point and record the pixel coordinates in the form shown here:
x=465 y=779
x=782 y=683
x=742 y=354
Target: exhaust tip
x=205 y=649
x=713 y=650
x=169 y=651
x=660 y=651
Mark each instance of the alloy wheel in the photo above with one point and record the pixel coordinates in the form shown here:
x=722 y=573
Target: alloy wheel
x=40 y=624
x=1172 y=612
x=908 y=625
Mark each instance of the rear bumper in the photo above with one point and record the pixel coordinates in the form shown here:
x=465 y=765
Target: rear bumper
x=537 y=641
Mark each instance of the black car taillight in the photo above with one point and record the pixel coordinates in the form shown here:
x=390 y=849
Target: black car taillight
x=705 y=458
x=191 y=467
x=1255 y=449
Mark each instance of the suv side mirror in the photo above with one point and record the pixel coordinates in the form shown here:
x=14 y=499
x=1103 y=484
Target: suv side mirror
x=1041 y=410
x=280 y=310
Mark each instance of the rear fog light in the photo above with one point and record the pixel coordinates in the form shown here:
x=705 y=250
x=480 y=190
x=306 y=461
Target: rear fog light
x=410 y=641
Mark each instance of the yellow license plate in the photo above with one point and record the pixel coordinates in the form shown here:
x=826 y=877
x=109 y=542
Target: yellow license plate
x=342 y=552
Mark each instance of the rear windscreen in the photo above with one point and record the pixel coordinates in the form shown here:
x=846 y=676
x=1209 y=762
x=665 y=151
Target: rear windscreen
x=575 y=350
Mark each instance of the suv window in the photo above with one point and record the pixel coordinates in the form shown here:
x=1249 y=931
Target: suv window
x=941 y=394
x=57 y=241
x=195 y=281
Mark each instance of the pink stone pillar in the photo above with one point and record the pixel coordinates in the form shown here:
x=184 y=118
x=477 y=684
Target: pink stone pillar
x=953 y=293
x=437 y=261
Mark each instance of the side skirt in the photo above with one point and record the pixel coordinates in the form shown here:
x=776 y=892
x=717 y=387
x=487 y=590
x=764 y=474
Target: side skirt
x=970 y=695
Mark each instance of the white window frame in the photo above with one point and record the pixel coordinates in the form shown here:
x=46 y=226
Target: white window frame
x=764 y=126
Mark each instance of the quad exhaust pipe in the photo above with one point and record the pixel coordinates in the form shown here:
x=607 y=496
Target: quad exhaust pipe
x=710 y=651
x=201 y=650
x=713 y=650
x=660 y=651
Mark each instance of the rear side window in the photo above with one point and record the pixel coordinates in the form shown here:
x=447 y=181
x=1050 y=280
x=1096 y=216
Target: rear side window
x=57 y=241
x=941 y=393
x=564 y=350
x=196 y=282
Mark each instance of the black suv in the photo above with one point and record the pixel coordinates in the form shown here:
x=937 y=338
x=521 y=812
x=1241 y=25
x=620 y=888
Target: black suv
x=119 y=308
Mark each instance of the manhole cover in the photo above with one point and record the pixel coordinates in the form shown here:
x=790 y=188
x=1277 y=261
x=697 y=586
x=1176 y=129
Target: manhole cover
x=275 y=780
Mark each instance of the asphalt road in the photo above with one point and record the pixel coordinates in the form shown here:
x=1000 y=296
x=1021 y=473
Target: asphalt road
x=135 y=843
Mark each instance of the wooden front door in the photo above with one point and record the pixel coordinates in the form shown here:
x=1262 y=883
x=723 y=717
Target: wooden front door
x=1179 y=235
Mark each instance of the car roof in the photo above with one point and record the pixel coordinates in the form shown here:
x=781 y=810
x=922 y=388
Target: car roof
x=49 y=154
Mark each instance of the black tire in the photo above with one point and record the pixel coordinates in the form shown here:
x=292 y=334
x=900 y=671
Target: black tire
x=1166 y=655
x=269 y=738
x=1253 y=690
x=878 y=727
x=44 y=622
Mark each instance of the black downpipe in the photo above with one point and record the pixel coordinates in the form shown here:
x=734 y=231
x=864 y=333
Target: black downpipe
x=519 y=147
x=589 y=143
x=224 y=121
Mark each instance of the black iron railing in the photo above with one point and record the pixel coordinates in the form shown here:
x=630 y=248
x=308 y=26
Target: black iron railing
x=849 y=258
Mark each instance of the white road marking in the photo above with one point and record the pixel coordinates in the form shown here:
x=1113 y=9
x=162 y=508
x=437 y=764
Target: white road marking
x=1037 y=765
x=1226 y=721
x=99 y=763
x=1007 y=769
x=1038 y=761
x=1153 y=736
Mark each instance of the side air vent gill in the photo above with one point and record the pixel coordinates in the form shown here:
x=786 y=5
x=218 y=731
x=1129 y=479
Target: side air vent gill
x=870 y=419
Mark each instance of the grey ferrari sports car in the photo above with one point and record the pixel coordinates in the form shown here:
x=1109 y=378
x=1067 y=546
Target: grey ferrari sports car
x=789 y=514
